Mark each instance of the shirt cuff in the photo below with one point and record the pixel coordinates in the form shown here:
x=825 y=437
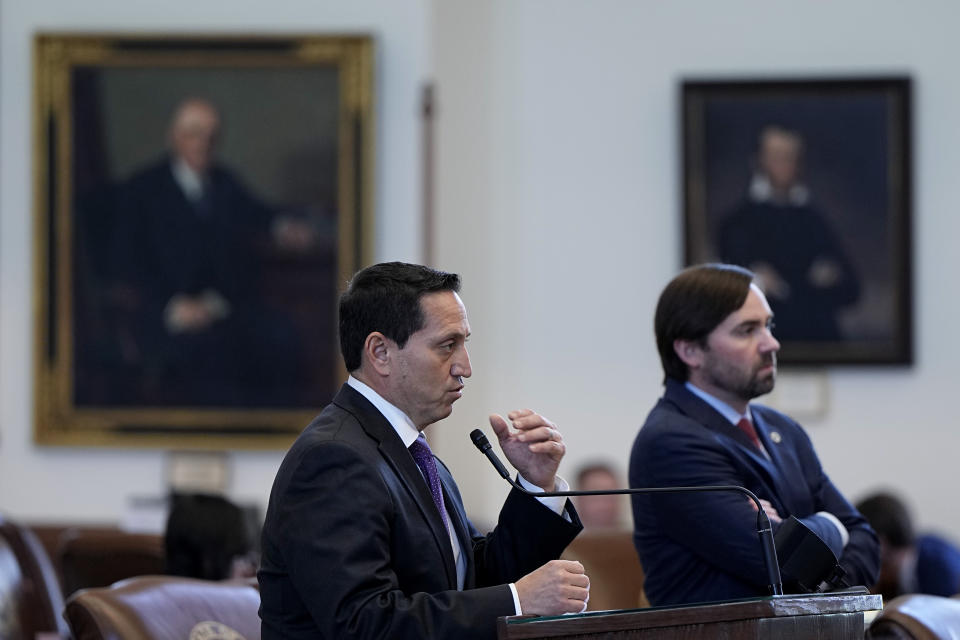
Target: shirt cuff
x=554 y=503
x=844 y=534
x=516 y=598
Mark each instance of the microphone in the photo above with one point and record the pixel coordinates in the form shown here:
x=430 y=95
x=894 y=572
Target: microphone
x=481 y=442
x=764 y=530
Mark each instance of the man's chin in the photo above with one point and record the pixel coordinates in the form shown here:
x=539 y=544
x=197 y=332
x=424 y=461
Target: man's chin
x=764 y=386
x=443 y=412
x=763 y=383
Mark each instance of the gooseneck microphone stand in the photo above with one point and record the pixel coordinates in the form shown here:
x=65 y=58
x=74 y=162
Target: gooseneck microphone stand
x=764 y=531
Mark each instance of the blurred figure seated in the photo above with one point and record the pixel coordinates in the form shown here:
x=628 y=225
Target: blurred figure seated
x=208 y=537
x=605 y=547
x=600 y=512
x=909 y=563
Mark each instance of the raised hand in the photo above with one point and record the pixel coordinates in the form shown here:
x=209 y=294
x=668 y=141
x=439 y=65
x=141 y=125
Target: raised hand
x=533 y=446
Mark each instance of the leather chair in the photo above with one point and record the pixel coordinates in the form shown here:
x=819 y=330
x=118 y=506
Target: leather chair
x=166 y=608
x=917 y=617
x=610 y=559
x=30 y=597
x=100 y=557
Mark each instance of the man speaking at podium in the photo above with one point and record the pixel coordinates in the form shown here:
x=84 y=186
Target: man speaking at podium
x=714 y=334
x=366 y=534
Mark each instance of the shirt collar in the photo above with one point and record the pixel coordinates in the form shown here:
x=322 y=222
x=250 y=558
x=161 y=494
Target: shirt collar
x=400 y=422
x=722 y=407
x=189 y=180
x=761 y=191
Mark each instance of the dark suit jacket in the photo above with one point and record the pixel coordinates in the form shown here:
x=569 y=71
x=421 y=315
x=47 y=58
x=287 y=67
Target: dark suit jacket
x=702 y=547
x=168 y=246
x=791 y=238
x=353 y=546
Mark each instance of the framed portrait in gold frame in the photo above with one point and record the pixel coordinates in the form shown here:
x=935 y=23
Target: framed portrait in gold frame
x=200 y=203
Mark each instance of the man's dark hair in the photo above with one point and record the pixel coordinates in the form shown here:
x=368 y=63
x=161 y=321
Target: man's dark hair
x=386 y=298
x=692 y=306
x=889 y=517
x=204 y=534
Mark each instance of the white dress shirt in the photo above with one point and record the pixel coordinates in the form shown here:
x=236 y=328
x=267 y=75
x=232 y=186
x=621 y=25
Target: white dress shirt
x=189 y=181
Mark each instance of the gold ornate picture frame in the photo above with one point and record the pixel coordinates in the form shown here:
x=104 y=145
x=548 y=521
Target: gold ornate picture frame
x=200 y=203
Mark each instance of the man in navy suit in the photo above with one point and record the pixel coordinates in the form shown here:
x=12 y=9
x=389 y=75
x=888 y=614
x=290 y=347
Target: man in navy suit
x=909 y=563
x=366 y=534
x=714 y=334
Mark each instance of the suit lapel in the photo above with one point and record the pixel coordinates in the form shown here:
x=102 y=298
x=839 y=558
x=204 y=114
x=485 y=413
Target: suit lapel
x=400 y=460
x=778 y=467
x=691 y=405
x=697 y=409
x=763 y=432
x=767 y=472
x=458 y=518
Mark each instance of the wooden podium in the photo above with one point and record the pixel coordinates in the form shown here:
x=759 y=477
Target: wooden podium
x=824 y=616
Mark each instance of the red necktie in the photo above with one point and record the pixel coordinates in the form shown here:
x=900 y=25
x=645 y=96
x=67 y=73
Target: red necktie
x=747 y=427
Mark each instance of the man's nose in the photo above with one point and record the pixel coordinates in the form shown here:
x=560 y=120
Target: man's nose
x=769 y=342
x=461 y=367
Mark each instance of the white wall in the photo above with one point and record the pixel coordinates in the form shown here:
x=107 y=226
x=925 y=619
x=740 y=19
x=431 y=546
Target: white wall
x=52 y=483
x=558 y=200
x=558 y=194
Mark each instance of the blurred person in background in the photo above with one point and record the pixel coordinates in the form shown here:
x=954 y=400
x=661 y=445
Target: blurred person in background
x=909 y=563
x=208 y=537
x=600 y=512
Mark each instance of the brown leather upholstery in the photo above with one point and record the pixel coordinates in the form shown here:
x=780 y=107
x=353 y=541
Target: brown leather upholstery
x=165 y=608
x=100 y=557
x=11 y=592
x=30 y=598
x=51 y=534
x=918 y=617
x=610 y=560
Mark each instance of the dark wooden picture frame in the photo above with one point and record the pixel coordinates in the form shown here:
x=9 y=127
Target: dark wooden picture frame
x=200 y=203
x=808 y=183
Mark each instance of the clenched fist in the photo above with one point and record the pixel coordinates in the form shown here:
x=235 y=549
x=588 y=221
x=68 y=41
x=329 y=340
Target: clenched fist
x=558 y=587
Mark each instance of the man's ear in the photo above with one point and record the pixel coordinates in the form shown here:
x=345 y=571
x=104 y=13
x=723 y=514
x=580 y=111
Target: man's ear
x=690 y=352
x=377 y=350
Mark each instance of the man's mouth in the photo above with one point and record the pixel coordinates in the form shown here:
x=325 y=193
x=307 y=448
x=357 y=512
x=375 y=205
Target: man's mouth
x=768 y=366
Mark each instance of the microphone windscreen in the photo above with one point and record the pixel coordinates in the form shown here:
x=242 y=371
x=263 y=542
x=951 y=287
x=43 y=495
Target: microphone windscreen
x=479 y=439
x=804 y=558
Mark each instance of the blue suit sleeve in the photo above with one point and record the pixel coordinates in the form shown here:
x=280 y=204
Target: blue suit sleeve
x=860 y=559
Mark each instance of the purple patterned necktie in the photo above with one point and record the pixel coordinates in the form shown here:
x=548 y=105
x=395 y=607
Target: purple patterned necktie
x=423 y=456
